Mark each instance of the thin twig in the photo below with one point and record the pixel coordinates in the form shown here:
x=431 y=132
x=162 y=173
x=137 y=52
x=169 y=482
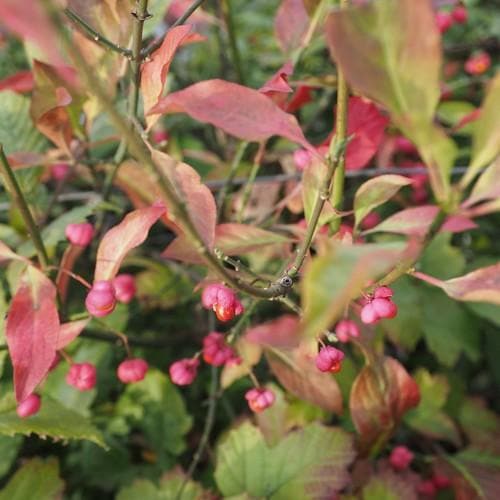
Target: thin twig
x=94 y=35
x=17 y=195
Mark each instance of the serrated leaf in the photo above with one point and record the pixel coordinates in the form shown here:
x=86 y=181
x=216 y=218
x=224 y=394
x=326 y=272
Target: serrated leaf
x=375 y=192
x=53 y=420
x=246 y=465
x=429 y=417
x=332 y=280
x=36 y=477
x=17 y=131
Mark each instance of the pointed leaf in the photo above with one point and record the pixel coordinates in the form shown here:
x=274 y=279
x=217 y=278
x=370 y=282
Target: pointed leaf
x=332 y=280
x=7 y=254
x=297 y=372
x=375 y=192
x=290 y=25
x=154 y=71
x=238 y=110
x=279 y=332
x=486 y=138
x=119 y=240
x=321 y=455
x=382 y=60
x=379 y=401
x=69 y=331
x=487 y=187
x=20 y=82
x=32 y=329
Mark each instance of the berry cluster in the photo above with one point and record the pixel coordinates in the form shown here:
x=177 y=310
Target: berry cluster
x=379 y=306
x=446 y=19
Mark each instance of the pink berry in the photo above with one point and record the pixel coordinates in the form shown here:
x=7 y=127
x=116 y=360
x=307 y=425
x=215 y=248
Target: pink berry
x=132 y=370
x=302 y=159
x=259 y=399
x=400 y=457
x=427 y=488
x=80 y=234
x=184 y=371
x=29 y=406
x=460 y=14
x=368 y=314
x=82 y=376
x=346 y=329
x=440 y=481
x=222 y=300
x=329 y=359
x=101 y=299
x=370 y=221
x=60 y=171
x=160 y=136
x=444 y=21
x=125 y=288
x=383 y=292
x=478 y=63
x=216 y=351
x=385 y=308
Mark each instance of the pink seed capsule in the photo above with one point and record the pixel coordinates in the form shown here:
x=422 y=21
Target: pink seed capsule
x=329 y=359
x=260 y=399
x=132 y=370
x=385 y=308
x=383 y=292
x=79 y=234
x=82 y=376
x=368 y=314
x=184 y=371
x=60 y=171
x=101 y=299
x=400 y=457
x=216 y=351
x=125 y=288
x=29 y=406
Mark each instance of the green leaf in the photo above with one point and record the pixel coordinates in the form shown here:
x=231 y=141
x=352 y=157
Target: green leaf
x=155 y=406
x=168 y=489
x=9 y=448
x=451 y=112
x=487 y=187
x=388 y=485
x=448 y=329
x=428 y=417
x=53 y=420
x=17 y=131
x=375 y=192
x=481 y=425
x=54 y=232
x=441 y=259
x=486 y=138
x=35 y=479
x=332 y=280
x=374 y=44
x=321 y=455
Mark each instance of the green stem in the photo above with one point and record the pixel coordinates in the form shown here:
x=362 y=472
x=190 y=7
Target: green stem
x=247 y=190
x=156 y=44
x=138 y=149
x=233 y=44
x=17 y=196
x=221 y=198
x=95 y=35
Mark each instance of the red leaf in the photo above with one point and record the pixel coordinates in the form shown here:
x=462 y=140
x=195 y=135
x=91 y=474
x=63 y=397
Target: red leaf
x=179 y=7
x=279 y=332
x=416 y=221
x=119 y=240
x=290 y=24
x=29 y=20
x=69 y=331
x=278 y=83
x=379 y=400
x=238 y=110
x=20 y=82
x=198 y=198
x=367 y=125
x=154 y=72
x=32 y=330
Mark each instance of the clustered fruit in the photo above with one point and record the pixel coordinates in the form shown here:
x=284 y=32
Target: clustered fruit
x=222 y=300
x=378 y=306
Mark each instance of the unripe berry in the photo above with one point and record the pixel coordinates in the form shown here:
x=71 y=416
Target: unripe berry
x=79 y=234
x=82 y=376
x=259 y=399
x=29 y=406
x=302 y=159
x=60 y=171
x=101 y=299
x=184 y=371
x=216 y=351
x=132 y=370
x=460 y=14
x=444 y=21
x=400 y=457
x=346 y=329
x=329 y=359
x=125 y=288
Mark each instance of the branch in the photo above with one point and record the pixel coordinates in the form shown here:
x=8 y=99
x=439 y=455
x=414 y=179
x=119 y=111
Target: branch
x=15 y=192
x=94 y=35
